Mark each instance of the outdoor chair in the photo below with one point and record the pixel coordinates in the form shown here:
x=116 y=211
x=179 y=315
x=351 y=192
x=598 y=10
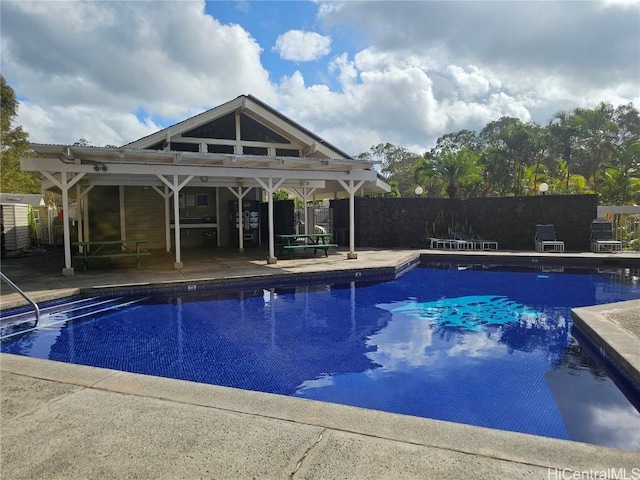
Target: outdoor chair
x=476 y=243
x=450 y=243
x=446 y=244
x=602 y=237
x=464 y=241
x=546 y=241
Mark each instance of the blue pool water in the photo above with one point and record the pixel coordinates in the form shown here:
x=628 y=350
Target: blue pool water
x=485 y=347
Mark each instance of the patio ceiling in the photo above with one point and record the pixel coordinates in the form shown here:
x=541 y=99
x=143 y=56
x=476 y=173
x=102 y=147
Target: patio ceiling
x=142 y=167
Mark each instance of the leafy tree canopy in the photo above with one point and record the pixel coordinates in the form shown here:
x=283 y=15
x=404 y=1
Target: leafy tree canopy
x=397 y=165
x=584 y=150
x=14 y=145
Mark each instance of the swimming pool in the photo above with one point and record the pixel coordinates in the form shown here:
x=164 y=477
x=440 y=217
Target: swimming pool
x=482 y=346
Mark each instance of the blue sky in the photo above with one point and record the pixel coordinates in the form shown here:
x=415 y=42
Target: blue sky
x=266 y=21
x=357 y=73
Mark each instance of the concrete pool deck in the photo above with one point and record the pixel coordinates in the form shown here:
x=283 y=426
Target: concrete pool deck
x=68 y=421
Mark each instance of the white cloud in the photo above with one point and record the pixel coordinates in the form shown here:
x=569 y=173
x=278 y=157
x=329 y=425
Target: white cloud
x=398 y=98
x=168 y=58
x=420 y=69
x=300 y=46
x=473 y=83
x=68 y=124
x=402 y=345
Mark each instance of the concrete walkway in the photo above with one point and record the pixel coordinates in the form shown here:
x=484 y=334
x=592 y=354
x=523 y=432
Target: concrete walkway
x=68 y=421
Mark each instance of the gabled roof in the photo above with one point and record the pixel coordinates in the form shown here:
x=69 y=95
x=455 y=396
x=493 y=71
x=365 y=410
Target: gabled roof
x=242 y=141
x=258 y=111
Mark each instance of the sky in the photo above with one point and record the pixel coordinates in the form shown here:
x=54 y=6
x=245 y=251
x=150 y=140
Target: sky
x=356 y=73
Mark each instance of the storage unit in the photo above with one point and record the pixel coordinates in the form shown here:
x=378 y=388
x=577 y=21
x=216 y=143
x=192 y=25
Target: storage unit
x=15 y=227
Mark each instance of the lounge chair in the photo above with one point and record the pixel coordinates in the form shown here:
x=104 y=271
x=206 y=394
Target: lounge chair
x=464 y=241
x=449 y=244
x=602 y=237
x=476 y=243
x=546 y=241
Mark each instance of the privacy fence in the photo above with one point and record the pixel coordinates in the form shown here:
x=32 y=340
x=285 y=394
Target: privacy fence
x=511 y=221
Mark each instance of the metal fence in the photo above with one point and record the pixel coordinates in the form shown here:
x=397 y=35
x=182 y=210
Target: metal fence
x=626 y=224
x=320 y=219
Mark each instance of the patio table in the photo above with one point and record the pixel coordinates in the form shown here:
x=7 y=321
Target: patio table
x=109 y=249
x=315 y=241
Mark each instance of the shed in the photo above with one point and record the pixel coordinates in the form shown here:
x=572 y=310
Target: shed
x=15 y=227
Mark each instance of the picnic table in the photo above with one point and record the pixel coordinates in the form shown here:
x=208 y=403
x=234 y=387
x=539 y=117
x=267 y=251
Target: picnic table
x=315 y=241
x=109 y=249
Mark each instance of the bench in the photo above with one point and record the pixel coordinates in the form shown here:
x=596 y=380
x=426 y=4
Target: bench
x=315 y=241
x=322 y=246
x=92 y=250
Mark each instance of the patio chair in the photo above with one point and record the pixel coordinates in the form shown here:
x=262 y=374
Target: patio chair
x=464 y=241
x=546 y=241
x=476 y=243
x=602 y=237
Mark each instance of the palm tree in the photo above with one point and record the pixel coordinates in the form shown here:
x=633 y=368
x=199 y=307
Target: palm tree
x=596 y=135
x=620 y=183
x=562 y=129
x=571 y=183
x=453 y=168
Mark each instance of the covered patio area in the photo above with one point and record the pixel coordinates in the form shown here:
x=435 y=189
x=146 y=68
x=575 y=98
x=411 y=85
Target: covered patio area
x=212 y=164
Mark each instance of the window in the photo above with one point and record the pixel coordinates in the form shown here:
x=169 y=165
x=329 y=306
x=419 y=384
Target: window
x=157 y=146
x=202 y=200
x=185 y=147
x=223 y=128
x=253 y=131
x=220 y=148
x=287 y=152
x=255 y=150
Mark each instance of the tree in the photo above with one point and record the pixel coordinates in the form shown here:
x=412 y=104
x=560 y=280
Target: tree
x=14 y=146
x=397 y=165
x=457 y=141
x=620 y=184
x=570 y=183
x=496 y=156
x=562 y=129
x=280 y=195
x=595 y=140
x=394 y=193
x=515 y=146
x=454 y=169
x=627 y=118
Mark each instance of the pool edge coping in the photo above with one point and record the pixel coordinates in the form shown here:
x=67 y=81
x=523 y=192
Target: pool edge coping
x=606 y=326
x=520 y=448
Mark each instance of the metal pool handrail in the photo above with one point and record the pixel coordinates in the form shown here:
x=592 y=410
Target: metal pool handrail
x=24 y=295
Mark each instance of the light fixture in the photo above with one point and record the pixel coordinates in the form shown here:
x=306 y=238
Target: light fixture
x=543 y=188
x=204 y=178
x=419 y=191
